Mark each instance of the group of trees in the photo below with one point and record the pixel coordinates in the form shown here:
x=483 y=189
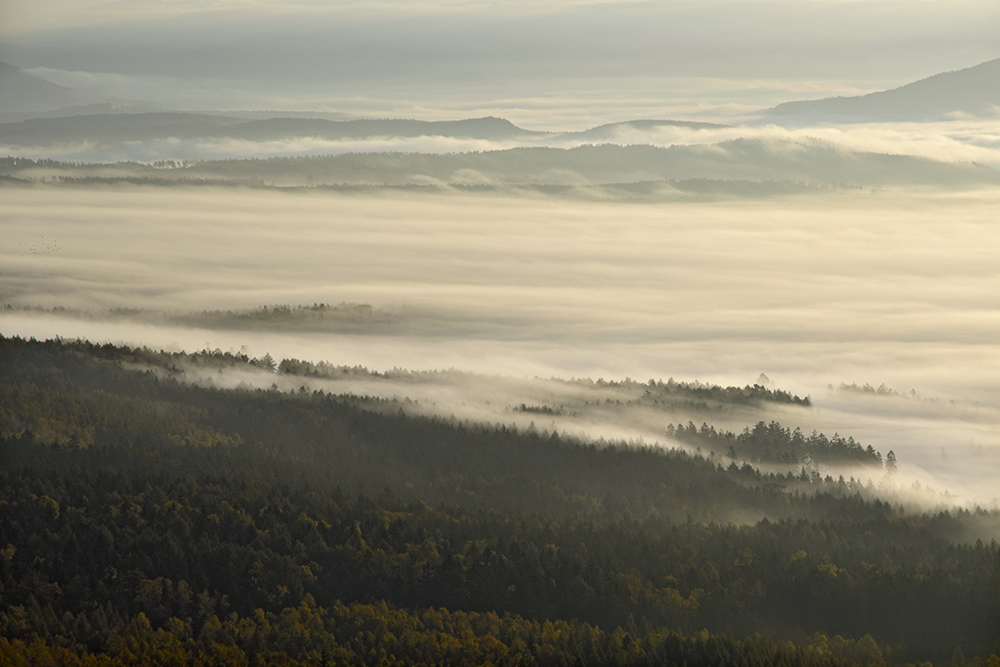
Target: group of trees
x=146 y=521
x=774 y=443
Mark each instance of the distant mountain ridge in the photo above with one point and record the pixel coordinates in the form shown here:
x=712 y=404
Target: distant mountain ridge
x=22 y=91
x=150 y=126
x=489 y=127
x=116 y=128
x=972 y=91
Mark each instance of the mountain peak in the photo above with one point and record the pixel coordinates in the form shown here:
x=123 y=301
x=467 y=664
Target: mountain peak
x=973 y=91
x=26 y=92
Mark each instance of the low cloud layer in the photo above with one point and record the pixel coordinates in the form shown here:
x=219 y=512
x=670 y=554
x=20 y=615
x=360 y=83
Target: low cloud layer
x=813 y=291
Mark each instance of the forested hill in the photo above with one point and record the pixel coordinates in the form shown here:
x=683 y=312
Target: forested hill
x=758 y=164
x=147 y=521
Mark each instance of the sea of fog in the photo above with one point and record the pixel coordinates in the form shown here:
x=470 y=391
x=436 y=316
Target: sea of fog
x=893 y=289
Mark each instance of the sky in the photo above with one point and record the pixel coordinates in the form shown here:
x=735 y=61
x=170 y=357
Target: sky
x=572 y=63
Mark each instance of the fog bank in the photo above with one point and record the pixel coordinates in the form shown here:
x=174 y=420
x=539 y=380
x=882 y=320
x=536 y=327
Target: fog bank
x=813 y=291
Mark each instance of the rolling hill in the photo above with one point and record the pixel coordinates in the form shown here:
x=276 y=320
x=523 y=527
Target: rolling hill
x=974 y=91
x=116 y=128
x=26 y=92
x=810 y=163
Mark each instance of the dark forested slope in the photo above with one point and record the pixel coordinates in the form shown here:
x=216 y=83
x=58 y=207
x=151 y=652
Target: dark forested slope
x=144 y=520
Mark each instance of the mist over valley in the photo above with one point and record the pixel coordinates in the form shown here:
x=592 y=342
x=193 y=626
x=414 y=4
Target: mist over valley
x=802 y=289
x=479 y=333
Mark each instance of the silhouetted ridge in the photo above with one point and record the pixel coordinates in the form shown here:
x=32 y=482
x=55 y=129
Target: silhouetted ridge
x=120 y=127
x=973 y=91
x=20 y=91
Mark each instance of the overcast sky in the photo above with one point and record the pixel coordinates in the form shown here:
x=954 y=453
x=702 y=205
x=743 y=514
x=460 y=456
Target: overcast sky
x=432 y=58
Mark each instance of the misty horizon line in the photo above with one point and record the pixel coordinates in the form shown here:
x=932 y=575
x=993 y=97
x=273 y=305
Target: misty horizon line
x=917 y=99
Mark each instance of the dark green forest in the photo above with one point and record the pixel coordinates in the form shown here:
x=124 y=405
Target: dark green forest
x=145 y=520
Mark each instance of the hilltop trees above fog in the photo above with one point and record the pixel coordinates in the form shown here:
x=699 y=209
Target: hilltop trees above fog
x=738 y=167
x=774 y=443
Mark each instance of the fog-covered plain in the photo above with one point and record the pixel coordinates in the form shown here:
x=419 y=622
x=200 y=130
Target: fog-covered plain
x=813 y=291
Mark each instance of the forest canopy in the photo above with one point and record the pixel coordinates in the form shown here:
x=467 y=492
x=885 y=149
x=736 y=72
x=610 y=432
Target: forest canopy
x=254 y=526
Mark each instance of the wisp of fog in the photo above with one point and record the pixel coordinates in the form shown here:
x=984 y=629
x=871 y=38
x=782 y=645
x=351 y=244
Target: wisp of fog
x=964 y=141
